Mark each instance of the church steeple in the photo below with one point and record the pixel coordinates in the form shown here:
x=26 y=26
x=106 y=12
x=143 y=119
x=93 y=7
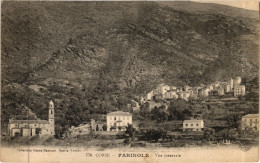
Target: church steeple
x=51 y=118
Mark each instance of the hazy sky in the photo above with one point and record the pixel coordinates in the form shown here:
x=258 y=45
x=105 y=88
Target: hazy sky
x=246 y=4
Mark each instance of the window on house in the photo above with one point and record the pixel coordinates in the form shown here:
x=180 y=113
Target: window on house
x=197 y=124
x=191 y=125
x=186 y=124
x=250 y=120
x=114 y=118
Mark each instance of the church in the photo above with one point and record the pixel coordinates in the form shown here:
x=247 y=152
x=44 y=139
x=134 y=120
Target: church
x=33 y=127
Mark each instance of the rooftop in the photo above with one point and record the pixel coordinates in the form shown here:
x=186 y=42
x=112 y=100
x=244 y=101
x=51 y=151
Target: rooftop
x=119 y=113
x=251 y=116
x=192 y=121
x=29 y=121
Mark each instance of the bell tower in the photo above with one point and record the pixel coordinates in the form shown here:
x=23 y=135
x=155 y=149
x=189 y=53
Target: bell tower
x=51 y=118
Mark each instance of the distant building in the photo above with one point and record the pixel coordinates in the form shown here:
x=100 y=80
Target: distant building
x=221 y=91
x=86 y=128
x=237 y=81
x=250 y=120
x=170 y=95
x=149 y=96
x=82 y=129
x=231 y=83
x=205 y=92
x=161 y=89
x=118 y=121
x=210 y=87
x=193 y=125
x=33 y=127
x=186 y=96
x=239 y=90
x=181 y=94
x=227 y=88
x=173 y=88
x=142 y=100
x=186 y=88
x=151 y=104
x=193 y=93
x=135 y=106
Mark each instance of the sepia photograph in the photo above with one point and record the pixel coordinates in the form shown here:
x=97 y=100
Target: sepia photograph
x=129 y=81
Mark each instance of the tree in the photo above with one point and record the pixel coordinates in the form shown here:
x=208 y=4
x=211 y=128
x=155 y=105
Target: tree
x=130 y=131
x=229 y=133
x=159 y=114
x=177 y=109
x=104 y=127
x=209 y=134
x=154 y=135
x=249 y=132
x=233 y=121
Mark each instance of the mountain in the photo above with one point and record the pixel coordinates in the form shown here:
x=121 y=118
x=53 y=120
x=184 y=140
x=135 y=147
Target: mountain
x=116 y=50
x=163 y=40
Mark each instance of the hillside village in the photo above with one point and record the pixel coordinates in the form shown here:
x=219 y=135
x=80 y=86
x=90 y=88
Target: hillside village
x=120 y=123
x=166 y=92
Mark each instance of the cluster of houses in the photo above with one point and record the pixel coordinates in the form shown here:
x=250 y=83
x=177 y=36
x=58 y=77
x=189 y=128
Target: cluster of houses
x=166 y=92
x=115 y=121
x=118 y=121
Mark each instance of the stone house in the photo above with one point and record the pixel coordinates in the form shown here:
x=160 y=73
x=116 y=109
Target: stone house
x=33 y=127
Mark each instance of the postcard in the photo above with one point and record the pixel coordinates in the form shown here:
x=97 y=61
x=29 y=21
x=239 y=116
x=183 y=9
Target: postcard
x=129 y=81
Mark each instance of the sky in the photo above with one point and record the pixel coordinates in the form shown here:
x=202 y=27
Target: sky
x=246 y=4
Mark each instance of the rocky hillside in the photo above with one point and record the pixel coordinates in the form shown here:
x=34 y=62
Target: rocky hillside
x=121 y=48
x=132 y=42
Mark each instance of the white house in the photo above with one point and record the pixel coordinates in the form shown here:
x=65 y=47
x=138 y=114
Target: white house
x=118 y=121
x=193 y=125
x=250 y=120
x=239 y=90
x=227 y=88
x=231 y=83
